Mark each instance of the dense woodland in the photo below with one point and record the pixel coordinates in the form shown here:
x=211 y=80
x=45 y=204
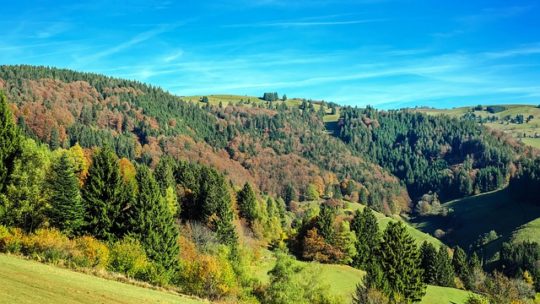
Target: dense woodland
x=109 y=174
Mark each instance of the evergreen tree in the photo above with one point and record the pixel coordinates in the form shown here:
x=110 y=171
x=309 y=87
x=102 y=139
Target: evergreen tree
x=325 y=222
x=444 y=269
x=247 y=203
x=289 y=194
x=365 y=226
x=459 y=262
x=400 y=263
x=9 y=143
x=103 y=195
x=67 y=210
x=151 y=221
x=428 y=255
x=164 y=174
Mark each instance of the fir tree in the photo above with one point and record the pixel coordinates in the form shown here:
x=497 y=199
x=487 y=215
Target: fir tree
x=428 y=255
x=459 y=262
x=67 y=210
x=445 y=271
x=325 y=222
x=365 y=226
x=400 y=263
x=151 y=221
x=9 y=141
x=247 y=203
x=103 y=195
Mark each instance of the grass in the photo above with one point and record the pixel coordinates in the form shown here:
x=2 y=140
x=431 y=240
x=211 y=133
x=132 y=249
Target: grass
x=476 y=215
x=444 y=295
x=23 y=281
x=343 y=279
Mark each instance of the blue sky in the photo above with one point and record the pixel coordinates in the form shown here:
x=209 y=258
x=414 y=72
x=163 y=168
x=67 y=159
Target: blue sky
x=384 y=53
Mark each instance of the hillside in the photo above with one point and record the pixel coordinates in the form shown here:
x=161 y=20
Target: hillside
x=234 y=198
x=23 y=281
x=250 y=140
x=472 y=217
x=503 y=118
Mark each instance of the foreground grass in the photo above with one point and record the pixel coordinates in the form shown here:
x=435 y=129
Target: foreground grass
x=343 y=280
x=23 y=281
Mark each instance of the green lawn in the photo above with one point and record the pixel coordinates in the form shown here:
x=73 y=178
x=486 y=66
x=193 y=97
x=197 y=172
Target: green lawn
x=23 y=281
x=475 y=215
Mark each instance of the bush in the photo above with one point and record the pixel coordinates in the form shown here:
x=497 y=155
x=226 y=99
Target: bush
x=206 y=275
x=128 y=257
x=10 y=239
x=90 y=253
x=48 y=245
x=473 y=299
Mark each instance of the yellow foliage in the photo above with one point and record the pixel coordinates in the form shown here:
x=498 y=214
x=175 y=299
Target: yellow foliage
x=94 y=253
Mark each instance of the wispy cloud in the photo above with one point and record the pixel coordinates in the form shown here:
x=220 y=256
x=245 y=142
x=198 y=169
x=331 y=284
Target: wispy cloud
x=304 y=23
x=137 y=39
x=525 y=50
x=52 y=30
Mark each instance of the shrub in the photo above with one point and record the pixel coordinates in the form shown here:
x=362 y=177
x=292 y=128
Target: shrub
x=206 y=275
x=90 y=253
x=473 y=299
x=48 y=245
x=128 y=257
x=10 y=239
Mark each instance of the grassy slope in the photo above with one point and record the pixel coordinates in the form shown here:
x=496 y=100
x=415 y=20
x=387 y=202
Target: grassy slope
x=482 y=213
x=343 y=280
x=23 y=281
x=516 y=130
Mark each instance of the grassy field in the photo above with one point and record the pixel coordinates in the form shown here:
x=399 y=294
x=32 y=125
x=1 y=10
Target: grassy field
x=526 y=132
x=444 y=295
x=475 y=215
x=23 y=281
x=343 y=280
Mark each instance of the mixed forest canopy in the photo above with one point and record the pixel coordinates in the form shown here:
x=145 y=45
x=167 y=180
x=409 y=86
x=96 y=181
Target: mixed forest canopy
x=113 y=174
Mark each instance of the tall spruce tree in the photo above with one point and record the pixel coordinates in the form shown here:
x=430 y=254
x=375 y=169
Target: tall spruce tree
x=459 y=262
x=445 y=271
x=67 y=210
x=247 y=203
x=153 y=224
x=215 y=200
x=365 y=226
x=325 y=222
x=399 y=260
x=103 y=195
x=9 y=141
x=428 y=254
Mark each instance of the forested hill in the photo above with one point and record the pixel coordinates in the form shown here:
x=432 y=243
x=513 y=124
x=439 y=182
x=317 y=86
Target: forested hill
x=228 y=200
x=282 y=149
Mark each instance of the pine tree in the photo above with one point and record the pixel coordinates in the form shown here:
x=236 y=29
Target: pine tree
x=445 y=271
x=400 y=263
x=67 y=210
x=151 y=221
x=9 y=141
x=428 y=255
x=365 y=226
x=247 y=203
x=103 y=195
